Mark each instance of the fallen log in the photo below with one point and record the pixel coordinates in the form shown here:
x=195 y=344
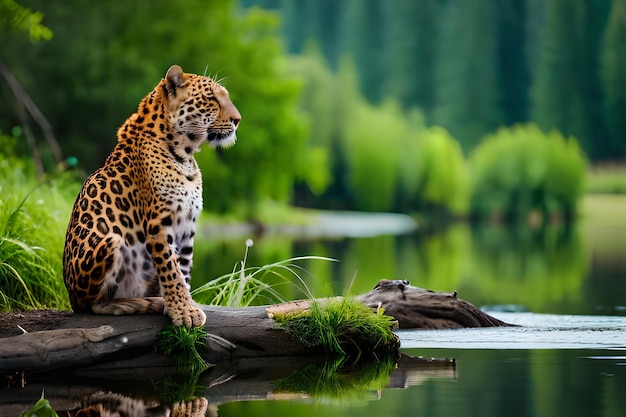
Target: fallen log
x=418 y=308
x=82 y=340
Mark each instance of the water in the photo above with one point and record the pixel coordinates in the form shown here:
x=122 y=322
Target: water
x=565 y=288
x=555 y=365
x=537 y=331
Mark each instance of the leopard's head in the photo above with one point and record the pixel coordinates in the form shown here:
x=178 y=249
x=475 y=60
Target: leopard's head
x=199 y=110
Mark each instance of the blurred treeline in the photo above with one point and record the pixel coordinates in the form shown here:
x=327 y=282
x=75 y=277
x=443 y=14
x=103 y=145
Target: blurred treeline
x=473 y=66
x=439 y=106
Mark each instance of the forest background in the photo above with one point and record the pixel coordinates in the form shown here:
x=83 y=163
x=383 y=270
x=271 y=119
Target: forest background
x=482 y=107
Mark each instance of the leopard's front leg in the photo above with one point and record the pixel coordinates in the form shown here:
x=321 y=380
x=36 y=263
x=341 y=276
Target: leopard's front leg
x=180 y=307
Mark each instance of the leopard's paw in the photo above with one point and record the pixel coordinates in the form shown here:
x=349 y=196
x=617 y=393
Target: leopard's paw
x=188 y=316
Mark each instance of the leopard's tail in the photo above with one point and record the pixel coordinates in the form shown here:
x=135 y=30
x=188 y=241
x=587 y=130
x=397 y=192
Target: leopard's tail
x=127 y=306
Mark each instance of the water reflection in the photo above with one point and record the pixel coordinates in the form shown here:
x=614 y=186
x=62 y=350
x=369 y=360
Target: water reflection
x=544 y=270
x=163 y=391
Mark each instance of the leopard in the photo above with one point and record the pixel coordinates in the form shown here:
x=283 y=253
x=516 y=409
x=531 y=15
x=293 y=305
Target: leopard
x=129 y=241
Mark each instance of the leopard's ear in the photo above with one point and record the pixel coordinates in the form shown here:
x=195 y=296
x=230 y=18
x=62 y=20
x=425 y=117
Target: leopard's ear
x=173 y=79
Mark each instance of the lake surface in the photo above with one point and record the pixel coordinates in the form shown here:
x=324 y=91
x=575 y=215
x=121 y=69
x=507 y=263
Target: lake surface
x=566 y=288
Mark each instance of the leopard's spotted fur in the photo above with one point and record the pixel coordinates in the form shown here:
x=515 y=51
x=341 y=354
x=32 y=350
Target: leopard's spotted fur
x=129 y=243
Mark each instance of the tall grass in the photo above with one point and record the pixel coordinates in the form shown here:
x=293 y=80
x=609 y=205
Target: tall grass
x=249 y=285
x=33 y=218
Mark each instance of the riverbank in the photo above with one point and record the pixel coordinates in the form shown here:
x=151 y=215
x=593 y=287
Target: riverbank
x=311 y=224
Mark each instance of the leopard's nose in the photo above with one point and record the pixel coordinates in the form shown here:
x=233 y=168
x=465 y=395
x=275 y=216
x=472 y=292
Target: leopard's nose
x=233 y=114
x=236 y=119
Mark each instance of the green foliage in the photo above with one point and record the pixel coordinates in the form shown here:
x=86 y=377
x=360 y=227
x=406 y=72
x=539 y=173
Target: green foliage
x=42 y=408
x=181 y=344
x=443 y=176
x=385 y=159
x=566 y=86
x=467 y=96
x=16 y=18
x=32 y=229
x=372 y=138
x=413 y=36
x=271 y=150
x=523 y=169
x=101 y=63
x=342 y=326
x=613 y=62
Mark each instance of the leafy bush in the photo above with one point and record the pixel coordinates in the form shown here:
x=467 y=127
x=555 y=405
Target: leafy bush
x=33 y=218
x=442 y=171
x=383 y=159
x=523 y=169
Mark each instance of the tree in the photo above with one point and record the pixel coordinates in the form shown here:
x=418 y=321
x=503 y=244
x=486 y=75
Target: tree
x=467 y=97
x=101 y=62
x=412 y=48
x=365 y=27
x=566 y=90
x=15 y=18
x=613 y=61
x=512 y=60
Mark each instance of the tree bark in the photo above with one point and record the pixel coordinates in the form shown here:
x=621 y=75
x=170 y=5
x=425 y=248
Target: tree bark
x=234 y=333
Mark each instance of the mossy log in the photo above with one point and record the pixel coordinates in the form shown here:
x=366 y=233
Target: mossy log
x=82 y=340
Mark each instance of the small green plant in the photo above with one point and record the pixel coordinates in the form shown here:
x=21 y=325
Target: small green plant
x=41 y=408
x=181 y=344
x=244 y=285
x=342 y=326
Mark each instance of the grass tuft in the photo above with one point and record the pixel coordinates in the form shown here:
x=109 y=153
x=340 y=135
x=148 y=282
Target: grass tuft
x=342 y=326
x=182 y=344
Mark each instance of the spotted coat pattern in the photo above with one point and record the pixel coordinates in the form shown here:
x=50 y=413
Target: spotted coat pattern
x=129 y=242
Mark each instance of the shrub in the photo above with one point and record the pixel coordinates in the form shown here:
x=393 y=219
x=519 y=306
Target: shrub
x=442 y=171
x=523 y=169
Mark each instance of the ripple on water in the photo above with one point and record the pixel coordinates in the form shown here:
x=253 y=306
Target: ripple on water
x=537 y=331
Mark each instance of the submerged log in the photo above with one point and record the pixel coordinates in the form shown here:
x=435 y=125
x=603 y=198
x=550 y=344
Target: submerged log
x=82 y=340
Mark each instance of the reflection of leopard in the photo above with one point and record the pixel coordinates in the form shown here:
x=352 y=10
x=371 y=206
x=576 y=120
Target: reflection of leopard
x=129 y=243
x=109 y=404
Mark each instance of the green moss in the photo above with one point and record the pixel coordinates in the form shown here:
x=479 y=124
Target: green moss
x=342 y=326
